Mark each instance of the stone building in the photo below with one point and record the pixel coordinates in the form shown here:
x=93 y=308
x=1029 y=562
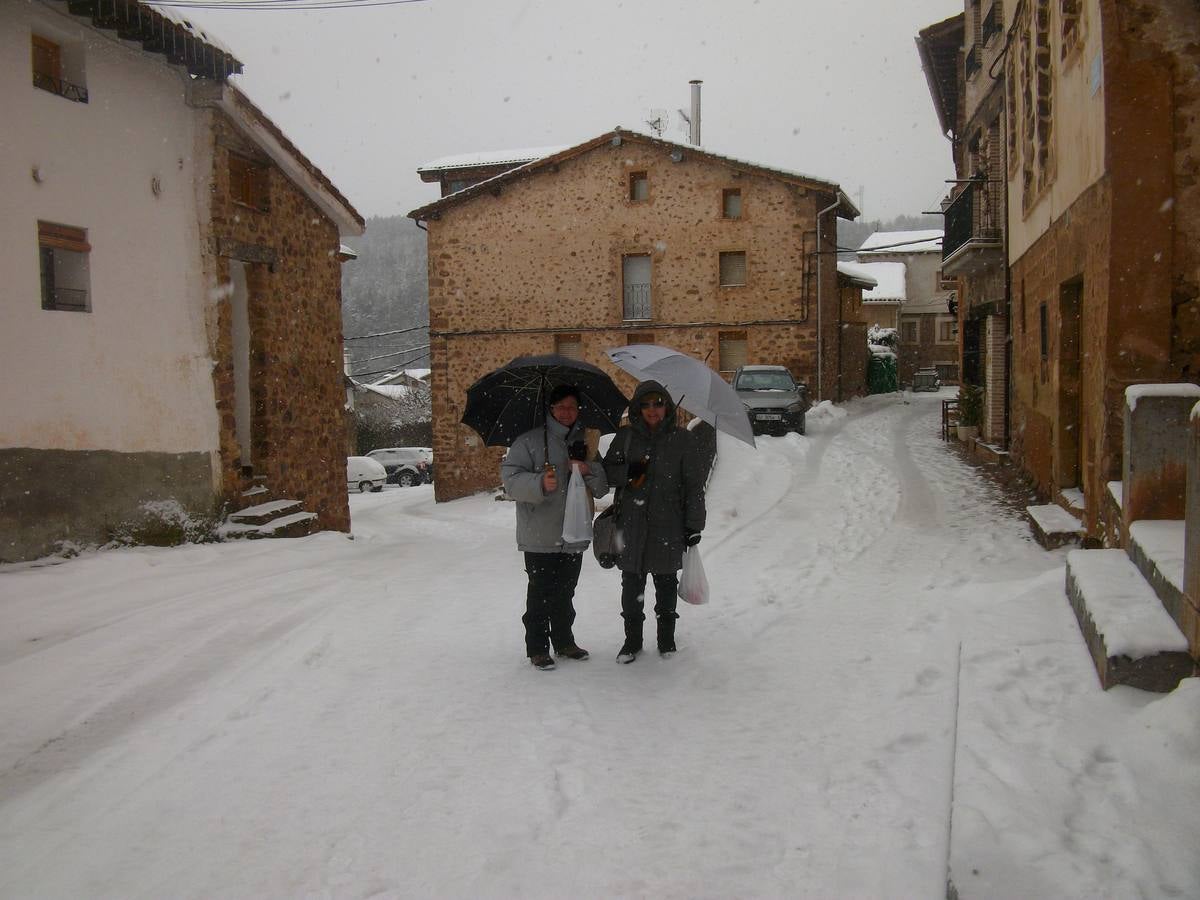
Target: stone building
x=853 y=280
x=1096 y=131
x=171 y=323
x=627 y=238
x=925 y=325
x=960 y=56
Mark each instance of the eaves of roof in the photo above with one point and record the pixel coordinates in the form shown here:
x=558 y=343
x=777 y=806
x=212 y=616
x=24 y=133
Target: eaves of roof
x=161 y=31
x=939 y=47
x=845 y=209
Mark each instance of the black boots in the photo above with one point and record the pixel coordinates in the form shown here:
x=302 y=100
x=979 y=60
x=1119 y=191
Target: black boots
x=633 y=638
x=666 y=633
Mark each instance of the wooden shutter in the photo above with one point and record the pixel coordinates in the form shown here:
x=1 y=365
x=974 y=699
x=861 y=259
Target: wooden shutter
x=47 y=59
x=63 y=237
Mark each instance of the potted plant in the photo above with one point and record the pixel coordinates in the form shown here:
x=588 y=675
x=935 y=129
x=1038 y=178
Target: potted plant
x=970 y=411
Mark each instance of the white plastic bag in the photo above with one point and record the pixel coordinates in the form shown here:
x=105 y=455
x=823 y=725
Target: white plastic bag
x=693 y=584
x=577 y=520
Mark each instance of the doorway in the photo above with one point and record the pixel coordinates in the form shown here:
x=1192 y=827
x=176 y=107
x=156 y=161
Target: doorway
x=1069 y=439
x=240 y=324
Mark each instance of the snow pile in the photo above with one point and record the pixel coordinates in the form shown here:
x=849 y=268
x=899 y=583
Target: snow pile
x=822 y=415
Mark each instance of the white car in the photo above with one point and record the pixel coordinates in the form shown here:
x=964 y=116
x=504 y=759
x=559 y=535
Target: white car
x=364 y=473
x=406 y=466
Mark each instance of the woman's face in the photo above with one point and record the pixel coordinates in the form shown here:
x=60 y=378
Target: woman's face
x=654 y=409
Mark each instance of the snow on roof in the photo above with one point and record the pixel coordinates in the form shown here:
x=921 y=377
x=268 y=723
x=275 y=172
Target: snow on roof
x=889 y=281
x=1135 y=392
x=926 y=241
x=391 y=391
x=858 y=272
x=207 y=37
x=490 y=158
x=845 y=208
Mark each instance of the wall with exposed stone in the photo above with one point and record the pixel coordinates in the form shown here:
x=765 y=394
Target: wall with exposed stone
x=510 y=270
x=293 y=276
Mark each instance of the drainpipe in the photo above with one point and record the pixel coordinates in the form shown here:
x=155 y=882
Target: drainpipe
x=837 y=200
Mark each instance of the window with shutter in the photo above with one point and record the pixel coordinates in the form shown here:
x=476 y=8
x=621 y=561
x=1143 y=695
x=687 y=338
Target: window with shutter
x=247 y=182
x=63 y=262
x=733 y=268
x=568 y=345
x=635 y=283
x=733 y=350
x=58 y=72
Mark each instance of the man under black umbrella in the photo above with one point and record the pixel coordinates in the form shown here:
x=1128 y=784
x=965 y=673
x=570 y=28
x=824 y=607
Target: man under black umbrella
x=535 y=473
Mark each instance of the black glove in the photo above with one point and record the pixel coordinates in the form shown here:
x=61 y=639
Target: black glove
x=577 y=450
x=691 y=538
x=636 y=469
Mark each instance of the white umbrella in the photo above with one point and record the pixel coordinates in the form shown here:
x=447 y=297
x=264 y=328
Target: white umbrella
x=691 y=383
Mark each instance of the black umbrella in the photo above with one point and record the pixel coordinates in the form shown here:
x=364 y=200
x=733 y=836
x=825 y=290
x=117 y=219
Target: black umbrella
x=505 y=403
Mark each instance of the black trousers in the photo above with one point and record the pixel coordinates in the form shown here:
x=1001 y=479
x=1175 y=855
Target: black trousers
x=549 y=610
x=633 y=590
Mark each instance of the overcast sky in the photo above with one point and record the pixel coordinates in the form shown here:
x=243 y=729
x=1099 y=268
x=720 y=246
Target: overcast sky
x=830 y=89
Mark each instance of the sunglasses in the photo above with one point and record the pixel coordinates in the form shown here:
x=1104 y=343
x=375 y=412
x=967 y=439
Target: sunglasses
x=653 y=404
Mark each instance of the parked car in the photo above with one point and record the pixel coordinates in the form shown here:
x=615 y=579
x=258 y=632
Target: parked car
x=406 y=466
x=926 y=380
x=364 y=473
x=775 y=402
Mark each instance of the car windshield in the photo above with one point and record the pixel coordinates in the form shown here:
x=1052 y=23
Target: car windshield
x=766 y=381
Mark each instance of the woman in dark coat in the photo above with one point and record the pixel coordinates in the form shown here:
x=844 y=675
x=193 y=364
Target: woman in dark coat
x=659 y=478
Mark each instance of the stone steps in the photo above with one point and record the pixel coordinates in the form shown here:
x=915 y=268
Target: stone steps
x=1132 y=638
x=264 y=512
x=1053 y=526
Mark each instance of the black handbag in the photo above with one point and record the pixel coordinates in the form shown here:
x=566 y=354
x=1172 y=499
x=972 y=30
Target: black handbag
x=604 y=538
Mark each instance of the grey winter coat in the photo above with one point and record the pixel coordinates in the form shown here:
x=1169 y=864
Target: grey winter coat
x=540 y=515
x=652 y=517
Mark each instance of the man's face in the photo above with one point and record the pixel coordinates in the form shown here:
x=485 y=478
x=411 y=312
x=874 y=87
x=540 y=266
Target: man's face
x=654 y=409
x=565 y=411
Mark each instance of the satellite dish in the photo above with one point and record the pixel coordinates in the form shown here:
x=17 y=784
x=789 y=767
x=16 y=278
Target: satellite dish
x=658 y=122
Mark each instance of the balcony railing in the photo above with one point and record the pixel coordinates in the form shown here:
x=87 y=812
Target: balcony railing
x=976 y=214
x=971 y=63
x=637 y=301
x=60 y=87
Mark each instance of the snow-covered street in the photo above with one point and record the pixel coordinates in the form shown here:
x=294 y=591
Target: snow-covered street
x=355 y=717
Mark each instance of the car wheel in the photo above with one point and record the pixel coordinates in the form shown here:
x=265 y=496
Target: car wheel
x=364 y=486
x=406 y=479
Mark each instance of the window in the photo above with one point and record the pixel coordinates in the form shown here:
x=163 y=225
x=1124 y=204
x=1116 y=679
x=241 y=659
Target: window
x=908 y=332
x=247 y=182
x=944 y=283
x=733 y=268
x=63 y=255
x=731 y=203
x=733 y=350
x=946 y=331
x=635 y=276
x=568 y=345
x=639 y=337
x=57 y=72
x=639 y=187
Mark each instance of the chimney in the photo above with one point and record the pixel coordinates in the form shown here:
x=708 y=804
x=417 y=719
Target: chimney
x=694 y=123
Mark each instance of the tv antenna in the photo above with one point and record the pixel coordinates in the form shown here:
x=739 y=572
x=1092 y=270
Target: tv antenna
x=659 y=121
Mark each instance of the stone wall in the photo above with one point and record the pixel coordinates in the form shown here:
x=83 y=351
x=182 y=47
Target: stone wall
x=1044 y=416
x=511 y=270
x=294 y=286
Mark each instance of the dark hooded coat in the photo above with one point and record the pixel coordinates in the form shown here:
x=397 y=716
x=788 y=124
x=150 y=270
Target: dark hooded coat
x=653 y=516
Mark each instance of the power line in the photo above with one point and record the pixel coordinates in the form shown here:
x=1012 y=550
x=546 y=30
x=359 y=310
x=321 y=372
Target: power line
x=274 y=5
x=408 y=362
x=363 y=337
x=396 y=353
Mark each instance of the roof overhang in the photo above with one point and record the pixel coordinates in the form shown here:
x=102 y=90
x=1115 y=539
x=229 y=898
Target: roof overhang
x=939 y=47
